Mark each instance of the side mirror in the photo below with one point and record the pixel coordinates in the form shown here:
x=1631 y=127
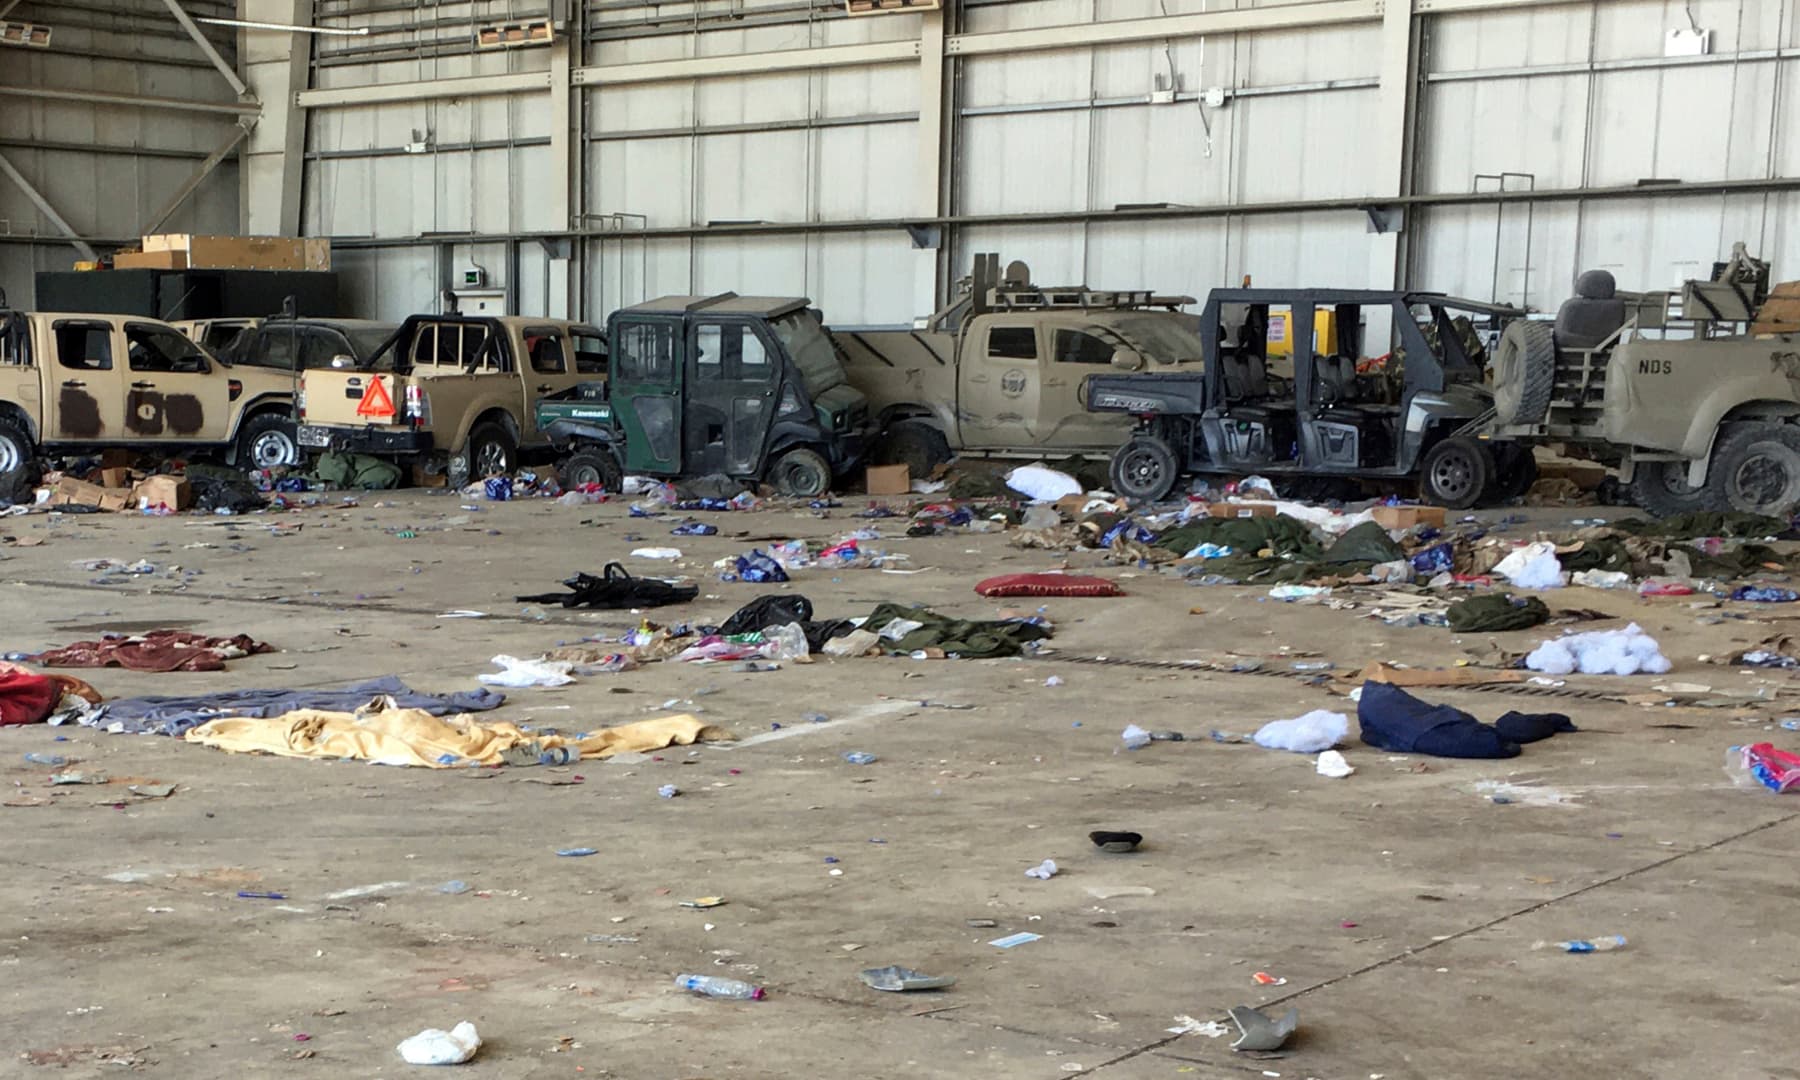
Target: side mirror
x=1127 y=359
x=342 y=360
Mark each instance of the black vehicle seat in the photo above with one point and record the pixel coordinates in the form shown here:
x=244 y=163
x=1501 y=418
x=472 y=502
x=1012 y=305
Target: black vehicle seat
x=1592 y=315
x=1246 y=377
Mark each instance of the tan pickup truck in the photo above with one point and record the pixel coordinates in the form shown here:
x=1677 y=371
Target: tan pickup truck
x=452 y=392
x=71 y=382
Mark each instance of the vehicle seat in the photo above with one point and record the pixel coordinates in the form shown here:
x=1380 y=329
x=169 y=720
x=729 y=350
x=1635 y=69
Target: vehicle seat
x=1592 y=315
x=1246 y=378
x=1333 y=381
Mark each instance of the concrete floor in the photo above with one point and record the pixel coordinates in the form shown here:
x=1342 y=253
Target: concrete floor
x=1400 y=905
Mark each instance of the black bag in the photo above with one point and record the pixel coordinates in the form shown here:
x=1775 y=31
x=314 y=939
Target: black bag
x=616 y=589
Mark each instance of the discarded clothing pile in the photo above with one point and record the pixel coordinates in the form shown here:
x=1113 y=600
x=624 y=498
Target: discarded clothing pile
x=965 y=638
x=28 y=698
x=177 y=714
x=358 y=471
x=1496 y=612
x=216 y=487
x=770 y=612
x=415 y=737
x=1704 y=523
x=615 y=589
x=159 y=650
x=1394 y=720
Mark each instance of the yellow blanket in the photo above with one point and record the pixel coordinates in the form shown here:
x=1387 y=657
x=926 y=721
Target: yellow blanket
x=415 y=737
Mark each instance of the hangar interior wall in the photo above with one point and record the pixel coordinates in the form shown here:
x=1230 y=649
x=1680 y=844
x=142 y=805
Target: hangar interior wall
x=650 y=151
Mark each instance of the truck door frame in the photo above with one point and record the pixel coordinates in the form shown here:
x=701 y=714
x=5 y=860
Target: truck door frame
x=647 y=397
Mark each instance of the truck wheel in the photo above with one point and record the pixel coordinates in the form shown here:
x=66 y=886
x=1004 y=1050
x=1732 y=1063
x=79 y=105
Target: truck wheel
x=267 y=441
x=592 y=467
x=1455 y=473
x=1756 y=467
x=801 y=473
x=1524 y=373
x=1661 y=487
x=1515 y=470
x=914 y=444
x=15 y=447
x=489 y=452
x=1144 y=469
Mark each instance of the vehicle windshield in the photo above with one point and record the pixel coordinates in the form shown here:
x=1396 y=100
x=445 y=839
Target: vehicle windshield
x=1161 y=339
x=365 y=340
x=806 y=341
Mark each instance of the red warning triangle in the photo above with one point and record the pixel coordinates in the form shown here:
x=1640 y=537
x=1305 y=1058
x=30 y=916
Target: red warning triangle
x=375 y=402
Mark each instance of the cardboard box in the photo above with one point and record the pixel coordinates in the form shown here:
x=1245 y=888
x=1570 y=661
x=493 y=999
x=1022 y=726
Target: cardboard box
x=1405 y=517
x=116 y=477
x=423 y=479
x=173 y=492
x=1240 y=510
x=70 y=491
x=243 y=252
x=115 y=501
x=888 y=480
x=150 y=260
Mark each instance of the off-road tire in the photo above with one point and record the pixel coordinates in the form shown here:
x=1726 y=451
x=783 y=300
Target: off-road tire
x=592 y=467
x=1756 y=468
x=801 y=474
x=16 y=450
x=914 y=444
x=1144 y=469
x=490 y=451
x=1455 y=473
x=1515 y=470
x=1661 y=487
x=268 y=441
x=1524 y=373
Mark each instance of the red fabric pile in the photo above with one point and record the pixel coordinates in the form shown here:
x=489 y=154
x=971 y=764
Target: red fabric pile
x=159 y=650
x=1047 y=585
x=27 y=697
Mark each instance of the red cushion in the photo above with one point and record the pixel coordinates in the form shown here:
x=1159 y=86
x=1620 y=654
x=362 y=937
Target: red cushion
x=1047 y=585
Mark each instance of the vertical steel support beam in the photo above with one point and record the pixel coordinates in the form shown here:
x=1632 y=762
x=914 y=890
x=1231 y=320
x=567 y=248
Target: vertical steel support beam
x=44 y=207
x=193 y=29
x=272 y=167
x=566 y=141
x=935 y=170
x=1393 y=126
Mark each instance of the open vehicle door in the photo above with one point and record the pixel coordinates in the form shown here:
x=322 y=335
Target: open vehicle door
x=645 y=360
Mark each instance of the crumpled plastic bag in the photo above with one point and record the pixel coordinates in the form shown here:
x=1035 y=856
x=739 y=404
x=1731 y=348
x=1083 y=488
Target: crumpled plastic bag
x=522 y=673
x=435 y=1047
x=1317 y=731
x=1600 y=652
x=1533 y=566
x=1042 y=484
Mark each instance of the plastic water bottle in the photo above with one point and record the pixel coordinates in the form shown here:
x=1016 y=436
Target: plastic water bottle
x=1599 y=944
x=713 y=986
x=46 y=759
x=859 y=757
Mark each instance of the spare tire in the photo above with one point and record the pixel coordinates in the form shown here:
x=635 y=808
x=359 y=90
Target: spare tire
x=1524 y=373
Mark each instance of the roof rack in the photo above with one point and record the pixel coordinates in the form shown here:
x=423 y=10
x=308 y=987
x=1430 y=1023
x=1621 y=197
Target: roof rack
x=1031 y=297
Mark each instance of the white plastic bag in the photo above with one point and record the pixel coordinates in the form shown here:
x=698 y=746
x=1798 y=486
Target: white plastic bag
x=656 y=553
x=435 y=1047
x=1601 y=652
x=1041 y=483
x=1602 y=579
x=1533 y=566
x=785 y=643
x=1332 y=764
x=521 y=673
x=1317 y=731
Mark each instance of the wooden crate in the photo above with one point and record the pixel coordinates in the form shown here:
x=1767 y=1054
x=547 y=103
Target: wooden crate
x=1780 y=313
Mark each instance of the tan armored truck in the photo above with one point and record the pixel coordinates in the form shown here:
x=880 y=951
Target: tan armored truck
x=1693 y=394
x=1004 y=368
x=74 y=382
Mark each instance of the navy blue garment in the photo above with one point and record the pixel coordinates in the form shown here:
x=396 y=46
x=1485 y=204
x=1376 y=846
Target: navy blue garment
x=1393 y=719
x=175 y=715
x=1530 y=727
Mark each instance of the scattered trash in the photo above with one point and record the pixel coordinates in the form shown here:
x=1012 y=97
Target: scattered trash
x=1114 y=892
x=58 y=779
x=1187 y=1025
x=1298 y=592
x=453 y=888
x=1136 y=738
x=1533 y=566
x=858 y=757
x=247 y=895
x=1023 y=937
x=611 y=939
x=896 y=978
x=1117 y=843
x=1600 y=944
x=578 y=852
x=1332 y=764
x=435 y=1047
x=667 y=791
x=1043 y=871
x=1602 y=579
x=656 y=553
x=1763 y=594
x=701 y=903
x=713 y=986
x=1761 y=764
x=1042 y=484
x=1316 y=731
x=518 y=673
x=1263 y=978
x=1257 y=1032
x=46 y=759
